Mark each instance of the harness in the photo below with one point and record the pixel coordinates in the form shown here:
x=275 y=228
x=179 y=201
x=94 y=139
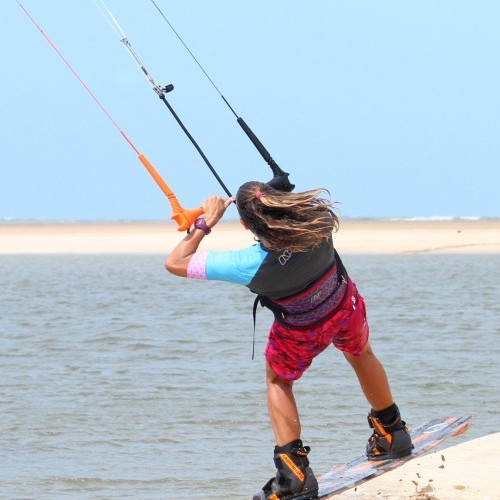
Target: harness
x=313 y=305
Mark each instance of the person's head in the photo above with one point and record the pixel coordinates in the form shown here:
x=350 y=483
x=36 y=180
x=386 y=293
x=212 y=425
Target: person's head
x=293 y=221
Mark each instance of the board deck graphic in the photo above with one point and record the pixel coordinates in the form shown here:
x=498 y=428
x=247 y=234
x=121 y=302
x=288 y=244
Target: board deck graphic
x=424 y=437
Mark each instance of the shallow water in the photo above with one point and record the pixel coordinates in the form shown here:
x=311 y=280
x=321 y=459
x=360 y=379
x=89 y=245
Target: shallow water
x=121 y=381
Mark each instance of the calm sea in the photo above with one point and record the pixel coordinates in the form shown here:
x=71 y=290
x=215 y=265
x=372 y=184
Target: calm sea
x=118 y=380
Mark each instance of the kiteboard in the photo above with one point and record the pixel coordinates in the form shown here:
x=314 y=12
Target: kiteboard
x=357 y=471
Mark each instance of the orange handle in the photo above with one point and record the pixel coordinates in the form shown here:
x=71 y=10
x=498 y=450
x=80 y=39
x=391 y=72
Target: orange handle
x=184 y=217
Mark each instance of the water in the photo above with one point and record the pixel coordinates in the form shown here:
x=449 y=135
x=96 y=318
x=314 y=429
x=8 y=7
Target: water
x=121 y=381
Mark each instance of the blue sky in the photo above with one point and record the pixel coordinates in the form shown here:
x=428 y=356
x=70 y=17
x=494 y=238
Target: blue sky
x=393 y=106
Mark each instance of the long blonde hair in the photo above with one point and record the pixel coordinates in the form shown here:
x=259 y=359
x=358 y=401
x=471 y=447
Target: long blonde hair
x=293 y=221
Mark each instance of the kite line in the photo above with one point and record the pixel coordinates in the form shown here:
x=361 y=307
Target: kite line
x=183 y=217
x=160 y=90
x=280 y=178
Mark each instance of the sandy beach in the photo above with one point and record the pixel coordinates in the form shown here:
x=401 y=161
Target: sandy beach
x=354 y=236
x=465 y=471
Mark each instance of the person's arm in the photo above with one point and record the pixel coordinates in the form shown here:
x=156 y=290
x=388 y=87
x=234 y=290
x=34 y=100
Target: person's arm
x=178 y=261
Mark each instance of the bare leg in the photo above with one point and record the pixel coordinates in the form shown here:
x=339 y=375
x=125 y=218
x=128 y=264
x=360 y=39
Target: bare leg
x=282 y=408
x=372 y=377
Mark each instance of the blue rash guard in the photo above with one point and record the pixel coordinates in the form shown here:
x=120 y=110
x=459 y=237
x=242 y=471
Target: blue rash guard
x=271 y=274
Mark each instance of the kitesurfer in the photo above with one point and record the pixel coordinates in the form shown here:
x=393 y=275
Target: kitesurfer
x=296 y=272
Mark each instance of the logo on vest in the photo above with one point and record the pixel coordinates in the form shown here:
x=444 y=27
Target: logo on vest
x=284 y=257
x=316 y=296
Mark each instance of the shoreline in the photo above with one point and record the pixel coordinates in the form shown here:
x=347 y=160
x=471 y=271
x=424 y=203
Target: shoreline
x=355 y=236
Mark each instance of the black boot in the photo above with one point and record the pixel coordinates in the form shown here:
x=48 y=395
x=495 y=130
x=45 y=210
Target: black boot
x=294 y=479
x=390 y=438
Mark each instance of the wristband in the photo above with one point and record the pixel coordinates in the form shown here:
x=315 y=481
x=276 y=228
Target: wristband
x=201 y=223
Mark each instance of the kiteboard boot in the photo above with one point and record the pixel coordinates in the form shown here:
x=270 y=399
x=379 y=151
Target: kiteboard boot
x=390 y=438
x=294 y=478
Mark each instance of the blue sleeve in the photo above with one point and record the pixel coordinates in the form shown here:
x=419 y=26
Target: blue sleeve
x=235 y=266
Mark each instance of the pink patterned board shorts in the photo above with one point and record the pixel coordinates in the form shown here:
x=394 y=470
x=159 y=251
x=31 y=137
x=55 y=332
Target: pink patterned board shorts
x=290 y=352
